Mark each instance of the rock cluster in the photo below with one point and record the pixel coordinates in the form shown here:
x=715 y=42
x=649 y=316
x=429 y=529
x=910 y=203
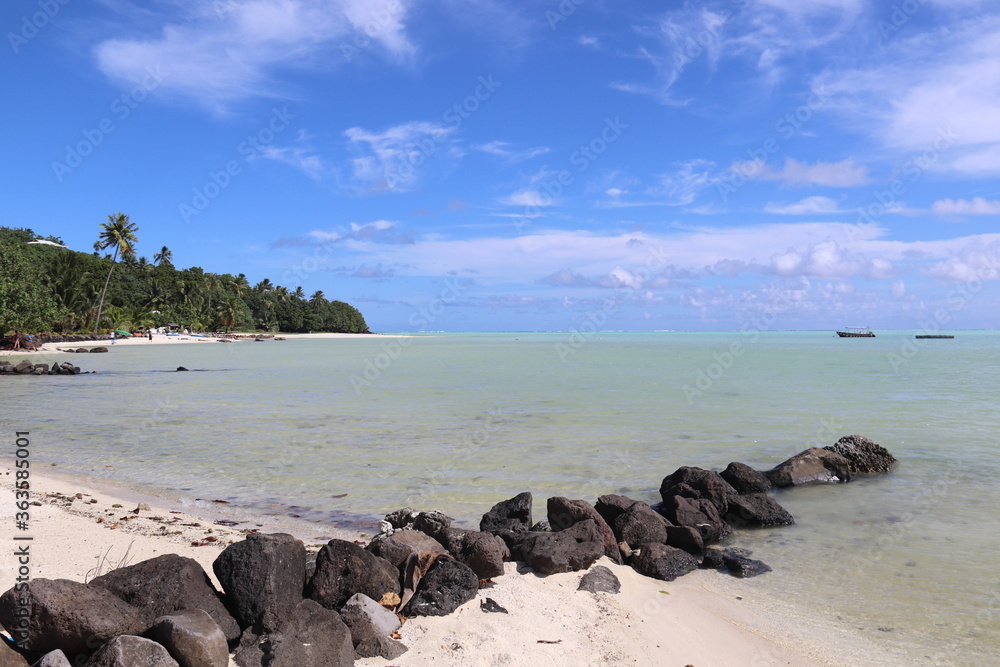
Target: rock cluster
x=25 y=367
x=281 y=607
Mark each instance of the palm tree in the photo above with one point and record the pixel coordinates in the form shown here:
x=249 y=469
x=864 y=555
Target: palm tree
x=119 y=235
x=163 y=257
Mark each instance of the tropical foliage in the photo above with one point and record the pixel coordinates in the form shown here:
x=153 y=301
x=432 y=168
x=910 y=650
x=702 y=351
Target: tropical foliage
x=46 y=288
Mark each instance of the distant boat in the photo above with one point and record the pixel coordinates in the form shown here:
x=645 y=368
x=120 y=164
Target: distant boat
x=935 y=336
x=856 y=332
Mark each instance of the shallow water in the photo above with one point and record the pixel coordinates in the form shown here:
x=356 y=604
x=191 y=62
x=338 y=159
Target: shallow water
x=344 y=430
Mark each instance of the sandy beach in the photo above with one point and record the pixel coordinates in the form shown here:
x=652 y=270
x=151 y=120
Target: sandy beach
x=702 y=619
x=182 y=339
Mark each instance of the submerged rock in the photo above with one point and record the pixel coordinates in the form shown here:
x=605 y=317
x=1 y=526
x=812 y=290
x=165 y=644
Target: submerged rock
x=812 y=466
x=865 y=457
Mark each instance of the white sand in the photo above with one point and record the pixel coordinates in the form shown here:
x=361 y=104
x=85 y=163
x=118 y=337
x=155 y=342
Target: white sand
x=696 y=620
x=183 y=339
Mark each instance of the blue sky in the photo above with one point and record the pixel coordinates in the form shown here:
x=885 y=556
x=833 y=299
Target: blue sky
x=480 y=165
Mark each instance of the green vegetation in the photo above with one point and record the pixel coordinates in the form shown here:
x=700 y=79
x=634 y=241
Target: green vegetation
x=44 y=288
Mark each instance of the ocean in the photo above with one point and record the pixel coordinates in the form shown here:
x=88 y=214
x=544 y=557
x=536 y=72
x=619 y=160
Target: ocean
x=340 y=431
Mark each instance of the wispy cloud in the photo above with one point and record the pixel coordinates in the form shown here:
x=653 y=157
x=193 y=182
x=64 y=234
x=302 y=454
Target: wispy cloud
x=810 y=205
x=959 y=207
x=502 y=149
x=223 y=52
x=844 y=174
x=392 y=160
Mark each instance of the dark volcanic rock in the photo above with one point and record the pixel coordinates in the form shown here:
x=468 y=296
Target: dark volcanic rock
x=509 y=517
x=51 y=659
x=370 y=636
x=599 y=580
x=401 y=518
x=131 y=651
x=741 y=566
x=698 y=483
x=575 y=548
x=68 y=615
x=563 y=513
x=745 y=479
x=640 y=524
x=611 y=506
x=167 y=584
x=812 y=466
x=757 y=510
x=24 y=367
x=662 y=562
x=396 y=548
x=306 y=635
x=96 y=350
x=713 y=559
x=447 y=586
x=698 y=513
x=343 y=569
x=687 y=538
x=192 y=638
x=260 y=572
x=865 y=457
x=483 y=552
x=435 y=524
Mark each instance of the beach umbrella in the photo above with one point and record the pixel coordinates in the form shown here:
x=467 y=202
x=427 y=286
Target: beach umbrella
x=123 y=333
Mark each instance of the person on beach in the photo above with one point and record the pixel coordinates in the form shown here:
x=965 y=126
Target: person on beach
x=112 y=337
x=17 y=340
x=150 y=332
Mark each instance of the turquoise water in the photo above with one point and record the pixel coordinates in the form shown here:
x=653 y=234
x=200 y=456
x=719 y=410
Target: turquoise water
x=344 y=430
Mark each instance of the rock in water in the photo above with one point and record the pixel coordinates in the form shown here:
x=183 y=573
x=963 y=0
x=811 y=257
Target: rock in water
x=698 y=513
x=865 y=456
x=743 y=567
x=812 y=466
x=698 y=483
x=745 y=479
x=757 y=510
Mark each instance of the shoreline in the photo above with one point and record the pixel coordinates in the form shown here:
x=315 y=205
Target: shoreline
x=163 y=339
x=703 y=618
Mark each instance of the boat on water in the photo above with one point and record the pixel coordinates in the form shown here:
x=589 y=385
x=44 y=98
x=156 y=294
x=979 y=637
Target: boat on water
x=856 y=332
x=926 y=336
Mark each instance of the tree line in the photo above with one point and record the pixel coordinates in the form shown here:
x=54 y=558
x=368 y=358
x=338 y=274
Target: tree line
x=45 y=287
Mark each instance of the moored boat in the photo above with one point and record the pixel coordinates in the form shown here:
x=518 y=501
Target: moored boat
x=856 y=332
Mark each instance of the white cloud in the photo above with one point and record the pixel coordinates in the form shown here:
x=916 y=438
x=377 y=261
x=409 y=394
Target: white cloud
x=807 y=206
x=974 y=206
x=500 y=149
x=935 y=91
x=297 y=157
x=844 y=174
x=529 y=198
x=233 y=51
x=391 y=160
